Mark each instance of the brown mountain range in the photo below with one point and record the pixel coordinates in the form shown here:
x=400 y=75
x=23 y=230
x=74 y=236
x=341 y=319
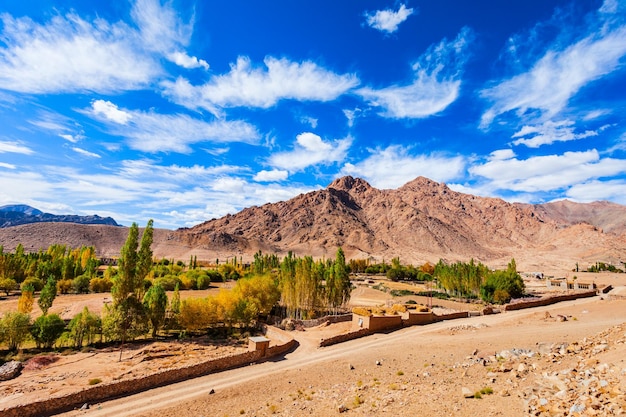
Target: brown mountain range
x=420 y=221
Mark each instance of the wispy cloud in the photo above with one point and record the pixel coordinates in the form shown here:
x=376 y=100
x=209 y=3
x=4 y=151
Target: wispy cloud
x=549 y=132
x=70 y=54
x=14 y=147
x=85 y=152
x=504 y=171
x=394 y=166
x=154 y=132
x=436 y=84
x=559 y=73
x=388 y=20
x=246 y=85
x=310 y=149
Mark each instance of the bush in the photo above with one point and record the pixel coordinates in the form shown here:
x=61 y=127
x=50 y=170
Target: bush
x=36 y=283
x=80 y=284
x=64 y=286
x=14 y=329
x=501 y=297
x=47 y=329
x=100 y=285
x=168 y=282
x=7 y=285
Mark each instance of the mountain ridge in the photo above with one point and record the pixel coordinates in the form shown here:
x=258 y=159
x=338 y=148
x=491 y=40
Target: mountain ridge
x=421 y=221
x=18 y=214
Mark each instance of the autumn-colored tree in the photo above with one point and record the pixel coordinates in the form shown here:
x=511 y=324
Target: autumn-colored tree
x=84 y=327
x=14 y=329
x=26 y=300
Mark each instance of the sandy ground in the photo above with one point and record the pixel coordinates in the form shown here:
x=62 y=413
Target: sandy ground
x=419 y=370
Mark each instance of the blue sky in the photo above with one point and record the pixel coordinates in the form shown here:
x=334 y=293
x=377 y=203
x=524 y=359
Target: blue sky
x=183 y=111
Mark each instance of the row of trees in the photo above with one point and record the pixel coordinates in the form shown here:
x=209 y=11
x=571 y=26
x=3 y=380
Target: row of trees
x=473 y=280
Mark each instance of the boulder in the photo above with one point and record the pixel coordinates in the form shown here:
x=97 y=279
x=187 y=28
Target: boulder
x=10 y=370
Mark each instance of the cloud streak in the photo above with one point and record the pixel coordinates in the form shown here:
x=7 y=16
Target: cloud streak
x=435 y=86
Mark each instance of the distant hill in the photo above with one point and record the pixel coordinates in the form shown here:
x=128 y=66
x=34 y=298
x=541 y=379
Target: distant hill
x=18 y=214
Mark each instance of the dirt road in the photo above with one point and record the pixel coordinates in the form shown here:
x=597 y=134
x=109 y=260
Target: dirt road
x=402 y=371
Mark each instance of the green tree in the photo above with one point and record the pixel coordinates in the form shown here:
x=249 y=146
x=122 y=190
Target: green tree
x=47 y=329
x=84 y=327
x=126 y=317
x=47 y=296
x=155 y=304
x=14 y=328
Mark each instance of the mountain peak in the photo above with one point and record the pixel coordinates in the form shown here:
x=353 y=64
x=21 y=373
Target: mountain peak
x=21 y=208
x=349 y=183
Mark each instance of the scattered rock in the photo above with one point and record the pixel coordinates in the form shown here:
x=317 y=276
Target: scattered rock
x=85 y=406
x=467 y=393
x=10 y=370
x=212 y=391
x=342 y=408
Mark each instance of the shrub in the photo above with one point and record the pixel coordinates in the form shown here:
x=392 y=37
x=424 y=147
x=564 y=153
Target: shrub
x=7 y=285
x=168 y=282
x=47 y=329
x=100 y=285
x=36 y=284
x=501 y=297
x=64 y=286
x=80 y=284
x=95 y=381
x=14 y=328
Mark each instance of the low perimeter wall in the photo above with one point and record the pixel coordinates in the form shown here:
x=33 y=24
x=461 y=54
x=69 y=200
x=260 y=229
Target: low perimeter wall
x=549 y=300
x=115 y=389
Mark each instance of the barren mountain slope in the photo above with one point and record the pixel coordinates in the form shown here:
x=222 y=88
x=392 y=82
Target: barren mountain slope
x=420 y=221
x=610 y=217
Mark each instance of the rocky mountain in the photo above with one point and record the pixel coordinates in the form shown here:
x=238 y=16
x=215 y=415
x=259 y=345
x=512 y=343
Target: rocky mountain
x=420 y=221
x=609 y=217
x=14 y=215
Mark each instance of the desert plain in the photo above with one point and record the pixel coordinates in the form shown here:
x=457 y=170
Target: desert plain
x=562 y=359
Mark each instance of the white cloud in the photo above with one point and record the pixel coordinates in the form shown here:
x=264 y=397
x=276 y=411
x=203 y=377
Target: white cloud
x=394 y=166
x=271 y=176
x=549 y=132
x=310 y=149
x=246 y=85
x=71 y=138
x=85 y=152
x=110 y=112
x=186 y=61
x=71 y=54
x=14 y=147
x=154 y=132
x=7 y=166
x=547 y=173
x=612 y=190
x=436 y=84
x=388 y=20
x=557 y=76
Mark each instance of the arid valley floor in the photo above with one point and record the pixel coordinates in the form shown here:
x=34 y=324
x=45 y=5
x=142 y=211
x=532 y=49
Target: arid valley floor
x=541 y=361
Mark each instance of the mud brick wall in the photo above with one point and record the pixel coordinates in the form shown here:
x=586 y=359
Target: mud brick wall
x=113 y=389
x=549 y=300
x=345 y=337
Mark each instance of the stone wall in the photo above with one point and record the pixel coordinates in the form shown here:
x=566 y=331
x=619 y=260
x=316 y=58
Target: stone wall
x=548 y=300
x=330 y=319
x=114 y=389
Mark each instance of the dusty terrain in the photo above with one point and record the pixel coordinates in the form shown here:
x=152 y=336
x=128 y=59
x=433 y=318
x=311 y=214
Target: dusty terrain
x=418 y=370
